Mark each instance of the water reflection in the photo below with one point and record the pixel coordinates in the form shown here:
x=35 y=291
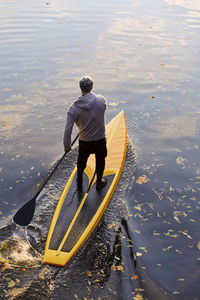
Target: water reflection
x=193 y=5
x=171 y=128
x=144 y=58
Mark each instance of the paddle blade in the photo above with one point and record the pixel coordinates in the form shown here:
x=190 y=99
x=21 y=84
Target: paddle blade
x=25 y=214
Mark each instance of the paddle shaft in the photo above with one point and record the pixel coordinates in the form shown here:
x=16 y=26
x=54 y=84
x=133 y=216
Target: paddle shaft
x=54 y=169
x=91 y=182
x=25 y=214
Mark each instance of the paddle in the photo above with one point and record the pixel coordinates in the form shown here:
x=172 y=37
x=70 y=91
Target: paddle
x=25 y=214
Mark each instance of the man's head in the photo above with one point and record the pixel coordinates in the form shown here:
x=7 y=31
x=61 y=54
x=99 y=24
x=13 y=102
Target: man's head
x=86 y=84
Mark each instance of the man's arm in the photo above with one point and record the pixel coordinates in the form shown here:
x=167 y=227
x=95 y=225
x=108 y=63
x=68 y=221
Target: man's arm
x=68 y=133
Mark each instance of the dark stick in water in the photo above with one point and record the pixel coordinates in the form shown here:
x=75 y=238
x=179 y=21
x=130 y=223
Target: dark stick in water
x=25 y=214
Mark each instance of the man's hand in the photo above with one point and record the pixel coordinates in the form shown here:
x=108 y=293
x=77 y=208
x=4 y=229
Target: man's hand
x=68 y=149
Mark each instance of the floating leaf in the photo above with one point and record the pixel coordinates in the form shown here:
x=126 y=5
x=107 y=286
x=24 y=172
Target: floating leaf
x=5 y=265
x=178 y=251
x=138 y=297
x=186 y=234
x=159 y=194
x=177 y=214
x=89 y=273
x=176 y=293
x=142 y=179
x=138 y=207
x=113 y=268
x=114 y=225
x=180 y=160
x=113 y=104
x=167 y=249
x=125 y=102
x=139 y=290
x=192 y=220
x=11 y=283
x=198 y=245
x=138 y=254
x=170 y=199
x=120 y=268
x=156 y=233
x=134 y=277
x=150 y=205
x=143 y=248
x=169 y=233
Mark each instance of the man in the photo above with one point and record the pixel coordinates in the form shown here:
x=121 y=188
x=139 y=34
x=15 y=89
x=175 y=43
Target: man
x=88 y=114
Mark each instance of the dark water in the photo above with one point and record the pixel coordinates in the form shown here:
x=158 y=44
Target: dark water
x=144 y=58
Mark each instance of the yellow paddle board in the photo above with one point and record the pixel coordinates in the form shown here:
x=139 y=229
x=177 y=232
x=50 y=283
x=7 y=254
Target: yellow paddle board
x=79 y=210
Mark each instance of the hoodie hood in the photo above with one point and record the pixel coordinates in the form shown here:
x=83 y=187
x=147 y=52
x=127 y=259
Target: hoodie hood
x=86 y=102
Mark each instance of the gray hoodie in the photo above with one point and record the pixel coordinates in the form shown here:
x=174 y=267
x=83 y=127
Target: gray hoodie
x=88 y=114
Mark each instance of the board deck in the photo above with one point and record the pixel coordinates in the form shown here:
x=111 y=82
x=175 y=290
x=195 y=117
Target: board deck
x=79 y=210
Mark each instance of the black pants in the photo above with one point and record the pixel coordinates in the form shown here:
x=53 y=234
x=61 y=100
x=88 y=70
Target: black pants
x=94 y=147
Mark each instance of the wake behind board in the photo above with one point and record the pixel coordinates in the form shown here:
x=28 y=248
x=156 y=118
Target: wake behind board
x=79 y=211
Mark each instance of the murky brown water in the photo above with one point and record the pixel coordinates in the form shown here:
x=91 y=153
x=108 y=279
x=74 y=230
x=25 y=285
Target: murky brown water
x=144 y=58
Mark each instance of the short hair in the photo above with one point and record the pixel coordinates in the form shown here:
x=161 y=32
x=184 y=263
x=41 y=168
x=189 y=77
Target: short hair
x=86 y=84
